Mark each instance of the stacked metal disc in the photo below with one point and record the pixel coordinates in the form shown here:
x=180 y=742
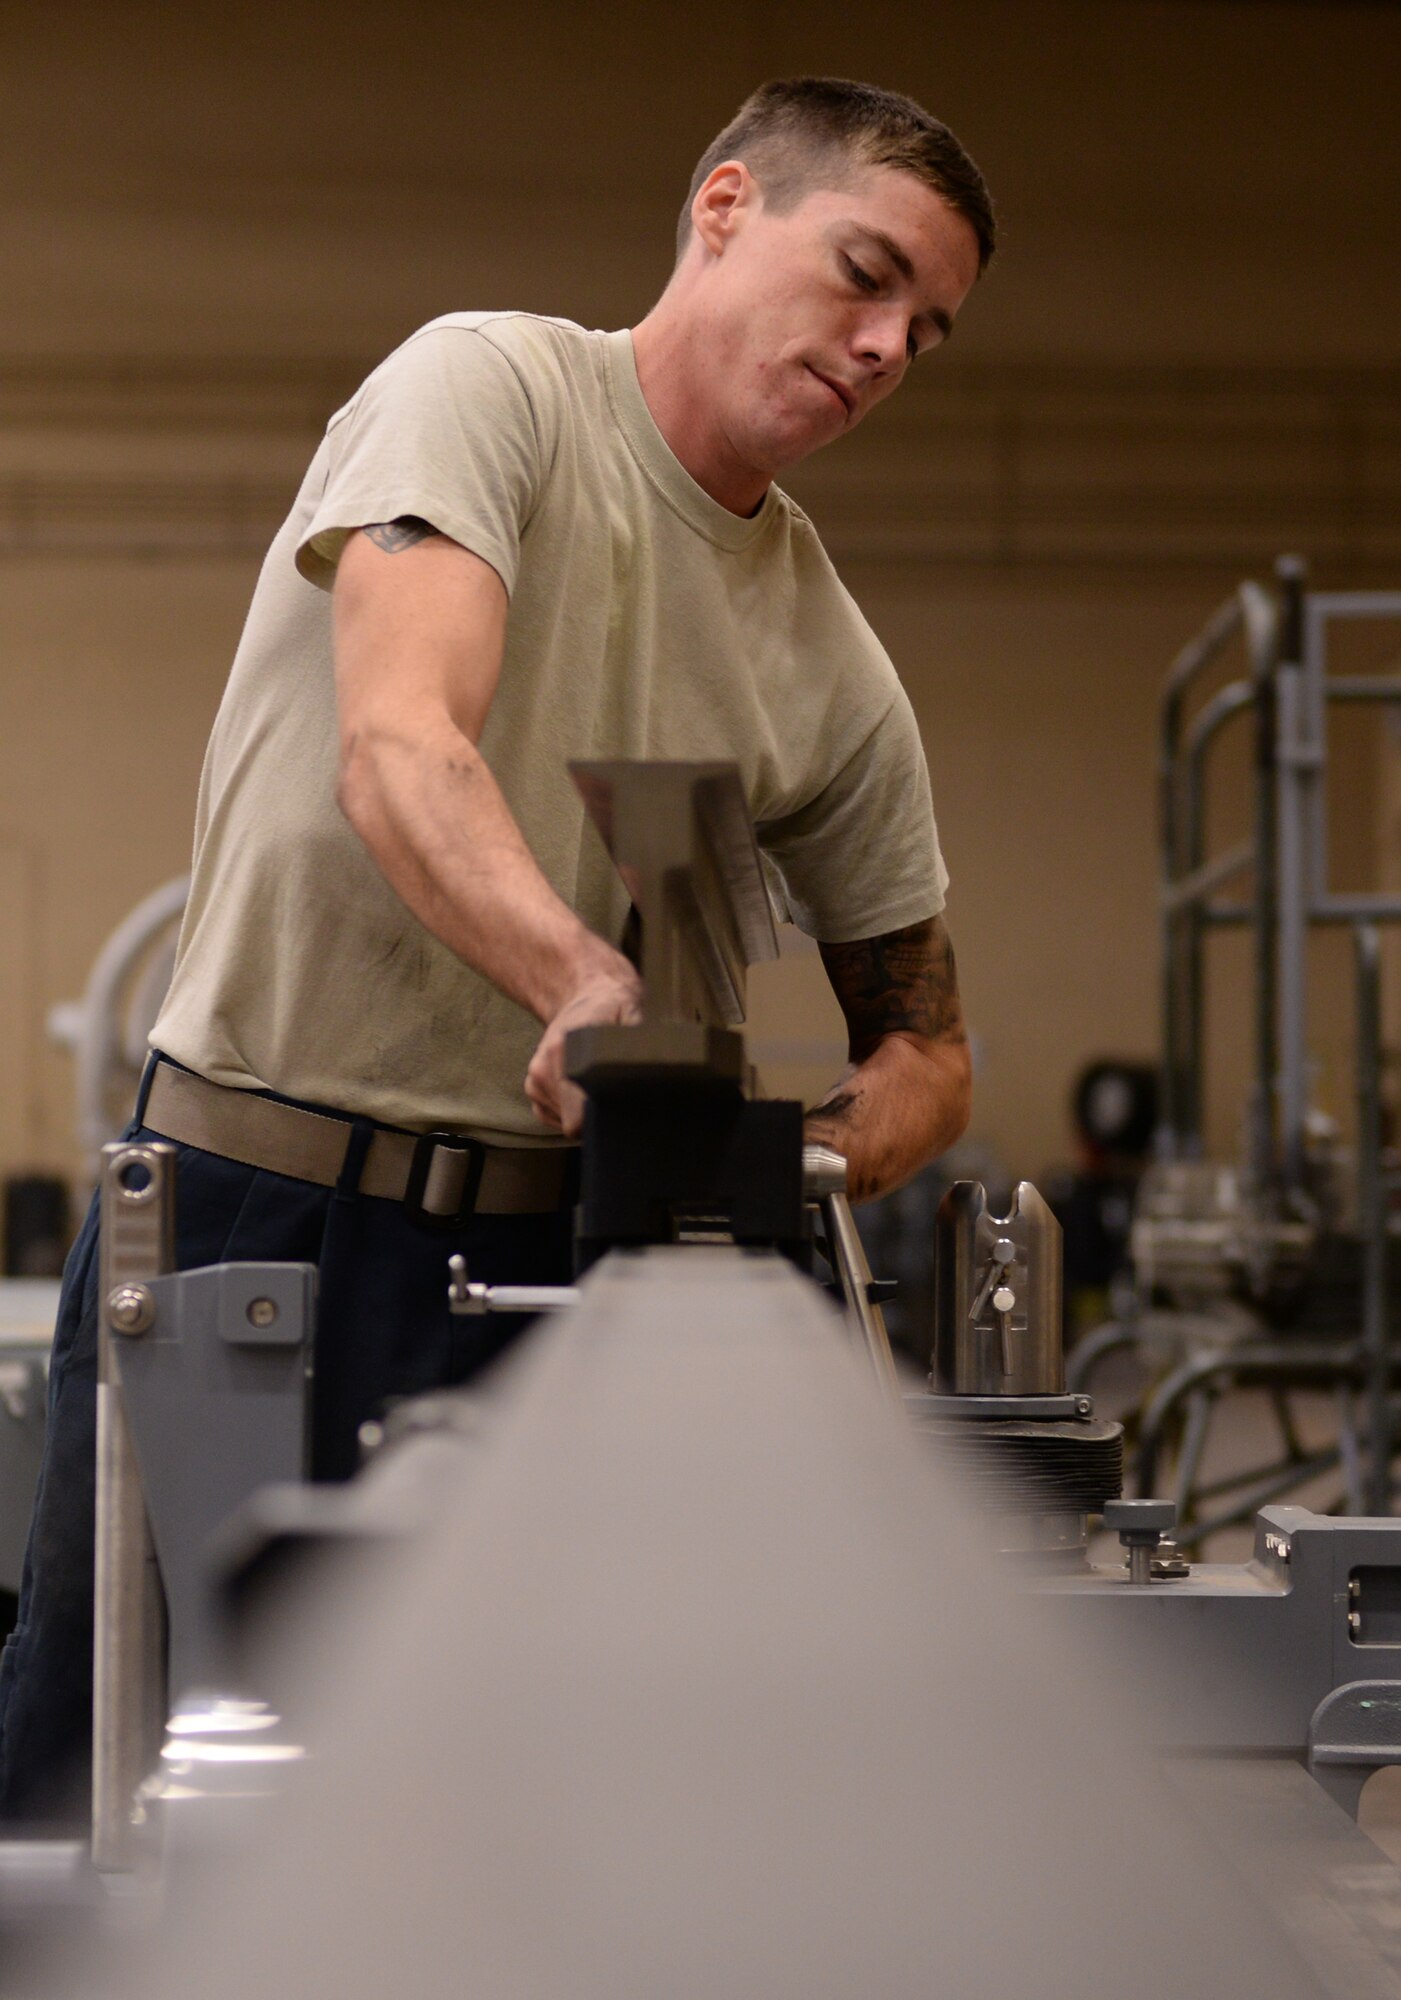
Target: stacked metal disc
x=1031 y=1465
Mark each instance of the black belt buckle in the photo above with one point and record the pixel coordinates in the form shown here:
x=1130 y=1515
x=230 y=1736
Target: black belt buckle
x=421 y=1166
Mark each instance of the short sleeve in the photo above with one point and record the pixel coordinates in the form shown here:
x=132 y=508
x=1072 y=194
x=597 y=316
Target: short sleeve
x=862 y=857
x=444 y=430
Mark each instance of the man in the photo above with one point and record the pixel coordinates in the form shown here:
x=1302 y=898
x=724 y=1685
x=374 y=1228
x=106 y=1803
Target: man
x=521 y=543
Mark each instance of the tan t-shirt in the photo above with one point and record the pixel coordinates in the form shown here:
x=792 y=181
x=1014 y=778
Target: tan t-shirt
x=645 y=620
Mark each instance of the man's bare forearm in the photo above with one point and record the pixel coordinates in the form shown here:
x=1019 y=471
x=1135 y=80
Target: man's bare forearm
x=908 y=1092
x=892 y=1114
x=435 y=821
x=420 y=635
x=419 y=640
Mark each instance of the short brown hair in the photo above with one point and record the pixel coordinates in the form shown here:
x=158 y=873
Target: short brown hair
x=805 y=132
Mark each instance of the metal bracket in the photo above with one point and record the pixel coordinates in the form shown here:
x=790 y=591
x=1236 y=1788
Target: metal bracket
x=217 y=1404
x=136 y=1244
x=1355 y=1731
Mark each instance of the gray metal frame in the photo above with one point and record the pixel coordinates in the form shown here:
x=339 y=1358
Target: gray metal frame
x=1289 y=691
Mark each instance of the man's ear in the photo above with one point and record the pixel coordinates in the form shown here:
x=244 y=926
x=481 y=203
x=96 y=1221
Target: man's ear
x=723 y=200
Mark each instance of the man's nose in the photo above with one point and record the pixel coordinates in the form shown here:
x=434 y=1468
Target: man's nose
x=882 y=341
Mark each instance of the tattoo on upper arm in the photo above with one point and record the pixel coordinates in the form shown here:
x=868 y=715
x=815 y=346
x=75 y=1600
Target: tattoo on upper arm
x=391 y=536
x=904 y=982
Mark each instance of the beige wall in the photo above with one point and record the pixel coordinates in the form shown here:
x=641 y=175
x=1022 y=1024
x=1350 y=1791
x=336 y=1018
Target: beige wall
x=1186 y=358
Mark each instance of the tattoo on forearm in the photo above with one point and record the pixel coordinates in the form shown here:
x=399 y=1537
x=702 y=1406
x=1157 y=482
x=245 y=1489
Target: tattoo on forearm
x=391 y=536
x=904 y=982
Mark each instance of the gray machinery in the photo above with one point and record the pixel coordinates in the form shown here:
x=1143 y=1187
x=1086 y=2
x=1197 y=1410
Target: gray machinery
x=1260 y=1274
x=691 y=1531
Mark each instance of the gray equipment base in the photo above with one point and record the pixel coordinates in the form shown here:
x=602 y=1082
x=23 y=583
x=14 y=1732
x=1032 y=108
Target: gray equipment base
x=216 y=1398
x=1296 y=1653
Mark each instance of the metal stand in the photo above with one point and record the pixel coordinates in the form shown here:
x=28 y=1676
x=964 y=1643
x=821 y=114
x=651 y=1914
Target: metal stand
x=1268 y=1241
x=202 y=1399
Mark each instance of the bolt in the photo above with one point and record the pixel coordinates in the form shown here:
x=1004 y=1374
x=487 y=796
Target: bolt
x=262 y=1312
x=1082 y=1406
x=131 y=1309
x=1354 y=1589
x=1354 y=1624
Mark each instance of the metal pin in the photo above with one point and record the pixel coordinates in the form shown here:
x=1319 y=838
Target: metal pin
x=1003 y=1300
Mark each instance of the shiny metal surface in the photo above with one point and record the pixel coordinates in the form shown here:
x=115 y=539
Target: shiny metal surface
x=824 y=1172
x=824 y=1181
x=681 y=838
x=987 y=1344
x=853 y=1273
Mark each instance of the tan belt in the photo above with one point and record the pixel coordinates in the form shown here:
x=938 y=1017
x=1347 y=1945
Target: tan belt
x=444 y=1176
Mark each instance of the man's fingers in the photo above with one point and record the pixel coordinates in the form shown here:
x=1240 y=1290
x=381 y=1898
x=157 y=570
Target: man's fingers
x=543 y=1081
x=571 y=1108
x=556 y=1101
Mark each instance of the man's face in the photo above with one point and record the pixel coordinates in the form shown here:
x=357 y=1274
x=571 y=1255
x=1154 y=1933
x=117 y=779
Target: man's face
x=813 y=317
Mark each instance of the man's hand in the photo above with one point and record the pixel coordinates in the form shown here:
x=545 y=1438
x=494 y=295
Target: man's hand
x=609 y=996
x=908 y=1092
x=420 y=626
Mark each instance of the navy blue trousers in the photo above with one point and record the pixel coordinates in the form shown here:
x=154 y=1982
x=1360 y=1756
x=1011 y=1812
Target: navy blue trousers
x=383 y=1330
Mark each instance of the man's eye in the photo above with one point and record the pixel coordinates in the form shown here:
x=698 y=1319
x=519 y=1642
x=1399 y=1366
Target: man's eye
x=861 y=278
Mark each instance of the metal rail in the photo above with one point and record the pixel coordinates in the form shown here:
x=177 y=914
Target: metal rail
x=1189 y=879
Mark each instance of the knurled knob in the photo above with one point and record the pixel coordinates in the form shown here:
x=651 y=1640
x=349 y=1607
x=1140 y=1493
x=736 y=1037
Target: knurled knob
x=1144 y=1520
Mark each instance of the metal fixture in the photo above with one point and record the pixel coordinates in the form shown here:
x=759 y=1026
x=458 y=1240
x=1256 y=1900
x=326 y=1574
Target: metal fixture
x=997 y=1406
x=998 y=1318
x=1140 y=1526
